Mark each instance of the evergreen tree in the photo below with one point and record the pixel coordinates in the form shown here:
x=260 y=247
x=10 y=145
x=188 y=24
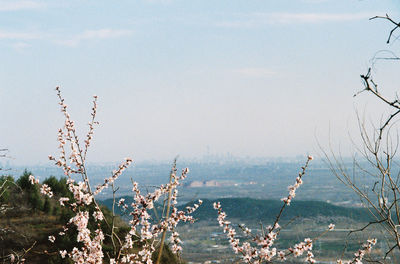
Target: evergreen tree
x=35 y=200
x=31 y=190
x=47 y=208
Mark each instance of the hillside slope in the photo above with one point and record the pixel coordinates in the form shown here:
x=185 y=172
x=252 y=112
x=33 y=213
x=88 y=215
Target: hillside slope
x=247 y=209
x=27 y=219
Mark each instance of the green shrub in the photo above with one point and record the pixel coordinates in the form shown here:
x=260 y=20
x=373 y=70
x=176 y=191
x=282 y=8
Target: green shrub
x=59 y=187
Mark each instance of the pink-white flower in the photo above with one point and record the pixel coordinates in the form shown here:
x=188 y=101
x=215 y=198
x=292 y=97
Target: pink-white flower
x=63 y=253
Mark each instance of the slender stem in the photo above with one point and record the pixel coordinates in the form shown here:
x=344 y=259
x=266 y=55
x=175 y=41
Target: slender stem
x=166 y=218
x=112 y=219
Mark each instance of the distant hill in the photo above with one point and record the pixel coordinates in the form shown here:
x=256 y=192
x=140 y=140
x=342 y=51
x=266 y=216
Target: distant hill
x=254 y=209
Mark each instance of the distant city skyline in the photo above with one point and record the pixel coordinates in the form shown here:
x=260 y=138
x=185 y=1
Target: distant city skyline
x=250 y=78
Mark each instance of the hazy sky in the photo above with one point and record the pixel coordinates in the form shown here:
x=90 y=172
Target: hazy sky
x=249 y=77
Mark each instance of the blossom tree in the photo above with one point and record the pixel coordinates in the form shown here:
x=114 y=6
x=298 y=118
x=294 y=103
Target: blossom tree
x=143 y=231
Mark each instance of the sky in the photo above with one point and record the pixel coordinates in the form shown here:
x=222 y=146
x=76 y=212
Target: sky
x=252 y=78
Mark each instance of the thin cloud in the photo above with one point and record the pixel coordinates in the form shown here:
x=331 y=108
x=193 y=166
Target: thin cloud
x=95 y=34
x=18 y=35
x=159 y=1
x=315 y=1
x=316 y=17
x=22 y=37
x=20 y=46
x=255 y=72
x=260 y=19
x=7 y=5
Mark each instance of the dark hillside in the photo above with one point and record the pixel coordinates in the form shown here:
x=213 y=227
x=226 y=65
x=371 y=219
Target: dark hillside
x=254 y=209
x=248 y=209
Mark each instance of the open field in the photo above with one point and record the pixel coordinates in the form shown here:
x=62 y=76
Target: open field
x=205 y=241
